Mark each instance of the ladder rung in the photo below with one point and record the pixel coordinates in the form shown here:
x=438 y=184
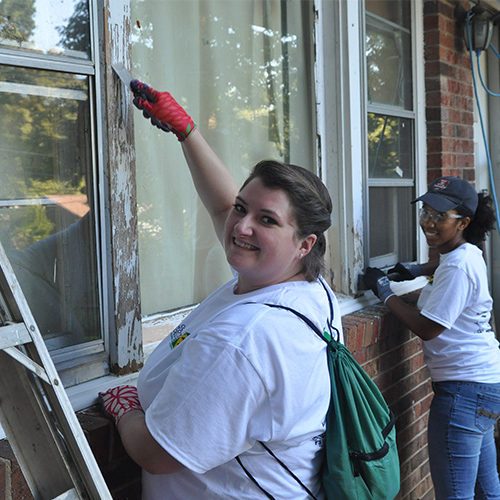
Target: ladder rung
x=68 y=495
x=14 y=334
x=27 y=362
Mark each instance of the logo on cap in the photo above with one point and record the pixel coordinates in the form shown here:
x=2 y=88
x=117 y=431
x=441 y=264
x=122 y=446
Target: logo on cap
x=441 y=185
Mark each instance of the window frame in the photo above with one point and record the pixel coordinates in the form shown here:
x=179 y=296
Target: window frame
x=89 y=360
x=397 y=112
x=340 y=84
x=342 y=146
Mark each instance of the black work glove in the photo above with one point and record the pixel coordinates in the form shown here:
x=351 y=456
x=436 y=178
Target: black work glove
x=404 y=271
x=377 y=281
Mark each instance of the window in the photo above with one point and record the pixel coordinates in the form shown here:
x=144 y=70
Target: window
x=48 y=169
x=390 y=133
x=244 y=71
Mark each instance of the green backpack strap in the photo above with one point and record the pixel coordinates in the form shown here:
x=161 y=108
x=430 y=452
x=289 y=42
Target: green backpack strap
x=332 y=335
x=361 y=456
x=326 y=337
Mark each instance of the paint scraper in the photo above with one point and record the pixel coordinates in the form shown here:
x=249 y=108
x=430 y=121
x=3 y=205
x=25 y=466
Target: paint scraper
x=123 y=74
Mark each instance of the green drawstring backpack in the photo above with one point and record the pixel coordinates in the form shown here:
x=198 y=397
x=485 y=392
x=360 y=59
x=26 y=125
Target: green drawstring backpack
x=361 y=457
x=361 y=460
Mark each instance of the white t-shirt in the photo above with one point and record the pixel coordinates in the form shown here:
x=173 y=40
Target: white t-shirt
x=233 y=374
x=458 y=299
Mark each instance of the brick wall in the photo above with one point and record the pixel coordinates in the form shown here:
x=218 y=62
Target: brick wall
x=449 y=91
x=392 y=356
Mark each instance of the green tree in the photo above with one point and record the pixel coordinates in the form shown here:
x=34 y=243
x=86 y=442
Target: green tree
x=17 y=20
x=76 y=34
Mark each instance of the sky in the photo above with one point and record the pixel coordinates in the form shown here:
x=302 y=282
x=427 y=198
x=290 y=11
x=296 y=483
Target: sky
x=48 y=15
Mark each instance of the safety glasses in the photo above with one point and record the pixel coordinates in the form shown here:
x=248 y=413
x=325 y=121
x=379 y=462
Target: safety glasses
x=425 y=214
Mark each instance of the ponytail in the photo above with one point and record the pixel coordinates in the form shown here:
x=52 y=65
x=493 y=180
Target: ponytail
x=482 y=222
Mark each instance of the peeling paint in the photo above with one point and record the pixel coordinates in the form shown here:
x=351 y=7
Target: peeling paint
x=126 y=346
x=132 y=367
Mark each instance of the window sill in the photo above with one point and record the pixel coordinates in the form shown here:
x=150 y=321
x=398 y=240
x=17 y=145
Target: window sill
x=349 y=305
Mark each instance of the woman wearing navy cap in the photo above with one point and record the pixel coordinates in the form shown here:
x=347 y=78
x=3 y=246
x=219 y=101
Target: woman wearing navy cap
x=452 y=317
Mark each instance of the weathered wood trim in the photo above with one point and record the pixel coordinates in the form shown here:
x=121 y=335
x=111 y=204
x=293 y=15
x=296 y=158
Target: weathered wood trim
x=125 y=342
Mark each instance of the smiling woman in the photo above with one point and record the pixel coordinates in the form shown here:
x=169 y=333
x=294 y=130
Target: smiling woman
x=279 y=217
x=443 y=230
x=460 y=348
x=260 y=240
x=235 y=373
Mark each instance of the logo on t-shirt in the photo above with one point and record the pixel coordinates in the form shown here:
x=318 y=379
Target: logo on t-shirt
x=319 y=440
x=178 y=335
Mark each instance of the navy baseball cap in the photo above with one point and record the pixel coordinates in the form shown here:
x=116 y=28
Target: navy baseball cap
x=447 y=193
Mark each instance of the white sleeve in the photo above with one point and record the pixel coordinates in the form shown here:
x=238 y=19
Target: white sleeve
x=203 y=414
x=451 y=291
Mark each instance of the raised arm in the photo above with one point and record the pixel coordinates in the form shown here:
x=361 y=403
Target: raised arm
x=212 y=180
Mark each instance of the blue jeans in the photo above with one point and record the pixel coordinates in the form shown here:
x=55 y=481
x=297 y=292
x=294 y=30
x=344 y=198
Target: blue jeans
x=462 y=452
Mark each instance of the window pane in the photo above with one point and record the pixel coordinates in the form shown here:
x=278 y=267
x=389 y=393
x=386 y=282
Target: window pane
x=392 y=225
x=396 y=11
x=46 y=223
x=390 y=147
x=391 y=152
x=245 y=74
x=388 y=59
x=56 y=27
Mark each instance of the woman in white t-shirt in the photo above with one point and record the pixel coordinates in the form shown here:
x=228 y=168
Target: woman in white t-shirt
x=237 y=373
x=460 y=347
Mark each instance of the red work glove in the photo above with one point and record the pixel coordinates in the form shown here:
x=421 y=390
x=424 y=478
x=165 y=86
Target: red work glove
x=163 y=110
x=119 y=400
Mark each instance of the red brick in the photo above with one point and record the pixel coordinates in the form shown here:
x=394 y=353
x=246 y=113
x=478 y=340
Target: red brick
x=430 y=7
x=432 y=37
x=456 y=116
x=424 y=491
x=435 y=144
x=416 y=477
x=417 y=442
x=432 y=68
x=446 y=9
x=467 y=161
x=433 y=84
x=370 y=327
x=466 y=117
x=434 y=163
x=438 y=129
x=410 y=463
x=19 y=487
x=447 y=40
x=417 y=426
x=349 y=329
x=431 y=23
x=4 y=474
x=464 y=102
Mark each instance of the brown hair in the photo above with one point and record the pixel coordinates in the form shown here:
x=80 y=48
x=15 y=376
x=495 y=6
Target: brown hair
x=311 y=205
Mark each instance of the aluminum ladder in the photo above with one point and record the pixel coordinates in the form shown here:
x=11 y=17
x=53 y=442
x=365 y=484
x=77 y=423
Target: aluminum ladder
x=35 y=411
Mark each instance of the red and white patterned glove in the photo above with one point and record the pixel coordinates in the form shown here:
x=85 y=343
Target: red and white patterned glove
x=119 y=400
x=163 y=110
